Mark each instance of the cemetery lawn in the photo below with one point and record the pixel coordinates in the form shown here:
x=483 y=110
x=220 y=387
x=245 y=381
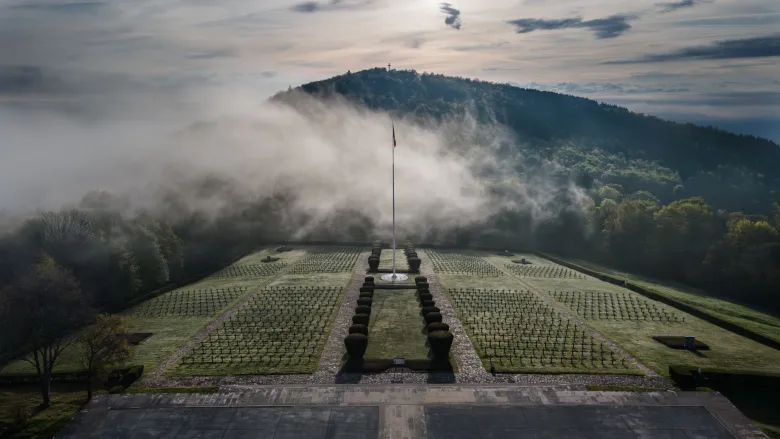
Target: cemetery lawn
x=66 y=401
x=396 y=328
x=630 y=320
x=740 y=315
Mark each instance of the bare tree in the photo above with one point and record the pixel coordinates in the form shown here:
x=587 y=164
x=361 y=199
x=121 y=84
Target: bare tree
x=100 y=346
x=42 y=307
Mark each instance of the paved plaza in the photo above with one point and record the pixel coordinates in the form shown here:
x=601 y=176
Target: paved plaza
x=412 y=412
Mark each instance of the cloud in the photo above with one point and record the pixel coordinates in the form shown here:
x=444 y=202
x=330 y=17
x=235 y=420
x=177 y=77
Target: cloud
x=609 y=27
x=682 y=4
x=218 y=53
x=453 y=15
x=757 y=47
x=313 y=6
x=478 y=47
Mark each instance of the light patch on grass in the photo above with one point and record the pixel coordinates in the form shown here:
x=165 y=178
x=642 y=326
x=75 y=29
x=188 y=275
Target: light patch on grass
x=396 y=328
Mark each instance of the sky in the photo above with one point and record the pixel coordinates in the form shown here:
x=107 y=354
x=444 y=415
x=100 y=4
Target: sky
x=709 y=61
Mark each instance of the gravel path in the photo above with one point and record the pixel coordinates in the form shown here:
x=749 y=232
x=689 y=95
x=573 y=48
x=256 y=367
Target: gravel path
x=470 y=368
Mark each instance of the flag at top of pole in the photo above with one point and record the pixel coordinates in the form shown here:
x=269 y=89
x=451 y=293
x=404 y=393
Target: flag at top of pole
x=393 y=134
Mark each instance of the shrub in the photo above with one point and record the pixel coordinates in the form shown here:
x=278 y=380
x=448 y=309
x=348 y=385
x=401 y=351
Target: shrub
x=364 y=301
x=426 y=296
x=116 y=389
x=432 y=317
x=438 y=326
x=428 y=303
x=422 y=285
x=131 y=375
x=369 y=279
x=361 y=319
x=358 y=329
x=366 y=289
x=363 y=309
x=418 y=279
x=441 y=342
x=414 y=264
x=368 y=285
x=356 y=344
x=428 y=309
x=369 y=294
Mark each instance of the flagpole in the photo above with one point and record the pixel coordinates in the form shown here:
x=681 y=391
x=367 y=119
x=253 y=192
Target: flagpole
x=394 y=201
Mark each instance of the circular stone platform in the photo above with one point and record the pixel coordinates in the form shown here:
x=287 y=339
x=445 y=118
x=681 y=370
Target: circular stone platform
x=398 y=277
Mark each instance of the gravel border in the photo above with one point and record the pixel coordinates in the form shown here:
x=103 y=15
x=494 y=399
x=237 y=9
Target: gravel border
x=470 y=368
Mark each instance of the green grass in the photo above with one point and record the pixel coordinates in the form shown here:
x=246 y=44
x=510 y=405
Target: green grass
x=762 y=323
x=327 y=260
x=66 y=401
x=279 y=330
x=386 y=259
x=396 y=328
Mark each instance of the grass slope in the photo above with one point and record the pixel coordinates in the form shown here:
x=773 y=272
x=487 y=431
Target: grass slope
x=728 y=351
x=396 y=328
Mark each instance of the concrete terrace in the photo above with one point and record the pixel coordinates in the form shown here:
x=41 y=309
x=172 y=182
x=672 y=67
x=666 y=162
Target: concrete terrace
x=412 y=412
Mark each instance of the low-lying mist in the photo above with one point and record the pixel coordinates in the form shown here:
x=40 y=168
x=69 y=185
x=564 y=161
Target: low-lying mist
x=221 y=153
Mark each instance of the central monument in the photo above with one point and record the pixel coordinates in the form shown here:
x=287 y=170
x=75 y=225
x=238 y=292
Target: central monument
x=394 y=277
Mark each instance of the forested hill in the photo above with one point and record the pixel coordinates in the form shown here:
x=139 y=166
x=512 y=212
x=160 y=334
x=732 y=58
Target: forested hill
x=587 y=135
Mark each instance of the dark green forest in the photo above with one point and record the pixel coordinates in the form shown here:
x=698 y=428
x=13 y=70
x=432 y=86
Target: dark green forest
x=676 y=201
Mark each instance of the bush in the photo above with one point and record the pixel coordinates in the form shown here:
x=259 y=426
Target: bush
x=361 y=319
x=429 y=309
x=358 y=329
x=356 y=345
x=422 y=285
x=418 y=279
x=426 y=296
x=368 y=294
x=433 y=317
x=424 y=290
x=132 y=374
x=426 y=303
x=363 y=309
x=366 y=289
x=364 y=301
x=438 y=326
x=414 y=264
x=369 y=279
x=116 y=389
x=441 y=342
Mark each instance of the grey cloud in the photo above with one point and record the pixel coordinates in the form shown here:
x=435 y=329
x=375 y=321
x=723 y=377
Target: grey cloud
x=609 y=27
x=453 y=15
x=723 y=99
x=613 y=88
x=313 y=6
x=758 y=47
x=74 y=7
x=682 y=4
x=218 y=53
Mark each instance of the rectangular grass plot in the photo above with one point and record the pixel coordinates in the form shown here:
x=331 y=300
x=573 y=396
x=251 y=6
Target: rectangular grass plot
x=189 y=302
x=279 y=330
x=460 y=264
x=251 y=270
x=543 y=271
x=600 y=305
x=519 y=332
x=327 y=260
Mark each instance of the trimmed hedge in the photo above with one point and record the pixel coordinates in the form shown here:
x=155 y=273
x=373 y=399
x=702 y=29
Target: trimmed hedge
x=426 y=296
x=441 y=342
x=366 y=289
x=438 y=326
x=358 y=329
x=433 y=317
x=363 y=309
x=367 y=294
x=422 y=285
x=429 y=309
x=356 y=345
x=426 y=303
x=126 y=376
x=418 y=279
x=365 y=301
x=424 y=290
x=369 y=279
x=361 y=319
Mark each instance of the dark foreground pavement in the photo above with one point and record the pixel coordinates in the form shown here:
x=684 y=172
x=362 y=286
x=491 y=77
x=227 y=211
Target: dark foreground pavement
x=413 y=412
